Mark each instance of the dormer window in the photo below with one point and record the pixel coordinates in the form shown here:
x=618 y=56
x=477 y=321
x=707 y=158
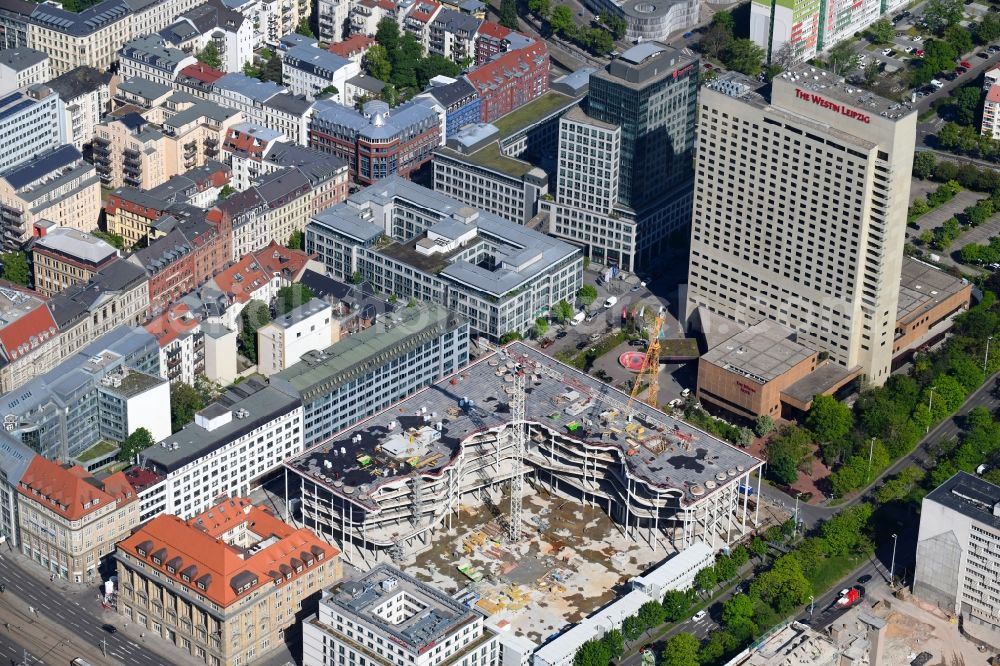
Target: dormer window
x=140 y=550
x=201 y=585
x=156 y=560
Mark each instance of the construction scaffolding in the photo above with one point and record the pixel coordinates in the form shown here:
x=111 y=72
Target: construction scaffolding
x=517 y=427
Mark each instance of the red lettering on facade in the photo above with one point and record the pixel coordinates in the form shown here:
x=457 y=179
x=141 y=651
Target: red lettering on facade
x=745 y=388
x=832 y=106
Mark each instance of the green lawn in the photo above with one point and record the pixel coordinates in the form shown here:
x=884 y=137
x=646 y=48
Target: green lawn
x=102 y=448
x=531 y=112
x=831 y=570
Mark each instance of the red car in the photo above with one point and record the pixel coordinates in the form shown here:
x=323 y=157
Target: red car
x=920 y=53
x=966 y=64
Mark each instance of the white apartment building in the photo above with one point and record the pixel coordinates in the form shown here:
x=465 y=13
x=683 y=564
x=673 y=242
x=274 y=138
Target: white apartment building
x=386 y=616
x=86 y=96
x=282 y=342
x=234 y=441
x=333 y=15
x=149 y=57
x=309 y=70
x=213 y=22
x=991 y=113
x=958 y=553
x=800 y=211
x=32 y=122
x=14 y=460
x=22 y=67
x=266 y=104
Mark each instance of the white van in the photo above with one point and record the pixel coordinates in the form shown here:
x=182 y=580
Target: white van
x=578 y=318
x=937 y=84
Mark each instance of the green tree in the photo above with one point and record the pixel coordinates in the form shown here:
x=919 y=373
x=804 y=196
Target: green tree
x=587 y=295
x=541 y=327
x=114 y=240
x=185 y=401
x=939 y=55
x=842 y=58
x=561 y=20
x=138 y=441
x=720 y=644
x=743 y=55
x=632 y=628
x=716 y=40
x=829 y=419
x=737 y=609
x=598 y=41
x=390 y=95
x=226 y=191
x=510 y=336
x=291 y=297
x=758 y=547
x=706 y=580
x=508 y=14
x=540 y=8
x=304 y=29
x=651 y=614
x=783 y=586
x=593 y=653
x=900 y=485
x=254 y=315
x=871 y=72
x=923 y=164
x=942 y=14
x=297 y=241
x=988 y=29
x=676 y=604
x=681 y=650
x=376 y=61
x=763 y=425
x=960 y=38
x=563 y=311
x=787 y=452
x=615 y=642
x=725 y=568
x=881 y=31
x=844 y=533
x=966 y=101
x=15 y=267
x=210 y=56
x=616 y=24
x=724 y=20
x=357 y=277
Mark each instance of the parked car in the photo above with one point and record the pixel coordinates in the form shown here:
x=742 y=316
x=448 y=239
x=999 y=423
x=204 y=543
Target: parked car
x=638 y=343
x=908 y=49
x=560 y=335
x=993 y=49
x=918 y=38
x=610 y=303
x=594 y=337
x=966 y=64
x=708 y=65
x=960 y=70
x=950 y=76
x=864 y=579
x=887 y=52
x=984 y=55
x=547 y=342
x=919 y=53
x=592 y=316
x=688 y=35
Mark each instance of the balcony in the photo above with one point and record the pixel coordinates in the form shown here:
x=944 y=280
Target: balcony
x=129 y=152
x=132 y=182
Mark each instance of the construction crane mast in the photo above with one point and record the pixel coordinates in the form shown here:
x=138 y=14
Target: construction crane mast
x=517 y=481
x=650 y=369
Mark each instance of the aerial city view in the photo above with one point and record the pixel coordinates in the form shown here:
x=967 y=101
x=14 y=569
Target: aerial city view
x=500 y=332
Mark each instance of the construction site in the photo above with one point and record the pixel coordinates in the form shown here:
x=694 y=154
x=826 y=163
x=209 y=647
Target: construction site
x=383 y=488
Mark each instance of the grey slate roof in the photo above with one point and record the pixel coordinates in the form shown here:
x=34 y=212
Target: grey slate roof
x=144 y=88
x=314 y=60
x=22 y=58
x=78 y=82
x=291 y=104
x=259 y=91
x=200 y=110
x=77 y=244
x=456 y=22
x=42 y=166
x=454 y=94
x=153 y=51
x=315 y=165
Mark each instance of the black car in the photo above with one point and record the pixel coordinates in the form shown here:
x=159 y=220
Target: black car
x=864 y=579
x=950 y=76
x=110 y=628
x=560 y=335
x=983 y=54
x=581 y=345
x=638 y=343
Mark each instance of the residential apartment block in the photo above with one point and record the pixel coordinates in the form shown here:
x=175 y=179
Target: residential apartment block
x=86 y=95
x=70 y=520
x=817 y=243
x=29 y=339
x=265 y=103
x=230 y=445
x=225 y=585
x=182 y=344
x=371 y=614
x=62 y=257
x=417 y=243
x=213 y=22
x=991 y=113
x=310 y=70
x=14 y=460
x=22 y=67
x=58 y=186
x=149 y=57
x=366 y=372
x=511 y=80
x=284 y=340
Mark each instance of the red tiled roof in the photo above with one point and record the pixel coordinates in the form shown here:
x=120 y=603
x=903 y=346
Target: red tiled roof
x=424 y=11
x=176 y=320
x=215 y=569
x=386 y=5
x=72 y=492
x=994 y=93
x=202 y=72
x=351 y=45
x=27 y=332
x=506 y=65
x=495 y=30
x=257 y=268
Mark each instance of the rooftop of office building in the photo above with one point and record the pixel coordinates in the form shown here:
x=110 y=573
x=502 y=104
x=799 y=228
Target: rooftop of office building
x=833 y=87
x=647 y=62
x=762 y=352
x=970 y=496
x=426 y=431
x=22 y=58
x=300 y=313
x=75 y=244
x=923 y=287
x=362 y=598
x=242 y=408
x=393 y=334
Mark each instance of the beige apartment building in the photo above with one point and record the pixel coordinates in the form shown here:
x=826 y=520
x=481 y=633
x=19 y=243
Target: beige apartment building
x=800 y=212
x=225 y=585
x=130 y=149
x=62 y=257
x=70 y=520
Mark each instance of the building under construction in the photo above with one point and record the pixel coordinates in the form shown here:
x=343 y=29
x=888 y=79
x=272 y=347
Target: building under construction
x=387 y=484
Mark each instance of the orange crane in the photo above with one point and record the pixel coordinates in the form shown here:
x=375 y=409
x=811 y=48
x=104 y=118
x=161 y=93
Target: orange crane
x=650 y=369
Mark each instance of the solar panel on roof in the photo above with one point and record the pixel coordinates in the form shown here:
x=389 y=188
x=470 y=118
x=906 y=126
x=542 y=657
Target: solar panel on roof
x=9 y=98
x=14 y=109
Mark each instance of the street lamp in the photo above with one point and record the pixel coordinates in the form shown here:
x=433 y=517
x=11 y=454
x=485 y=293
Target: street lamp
x=892 y=566
x=986 y=358
x=871 y=451
x=795 y=527
x=812 y=604
x=930 y=408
